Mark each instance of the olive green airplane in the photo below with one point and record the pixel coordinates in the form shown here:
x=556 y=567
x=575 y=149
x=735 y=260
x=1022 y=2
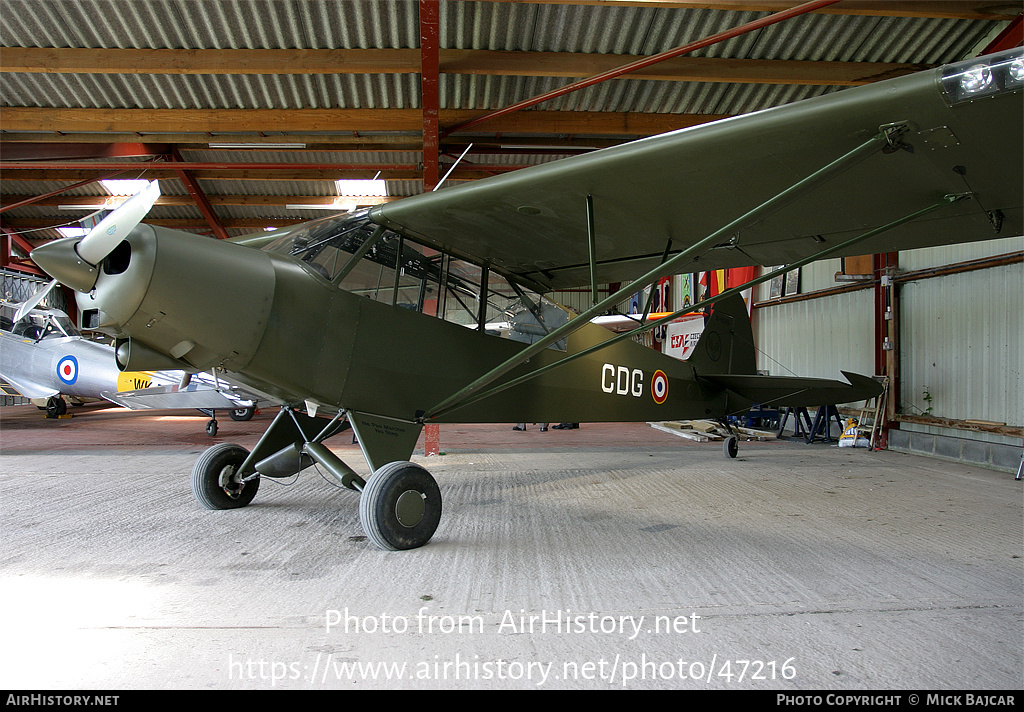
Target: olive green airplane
x=430 y=309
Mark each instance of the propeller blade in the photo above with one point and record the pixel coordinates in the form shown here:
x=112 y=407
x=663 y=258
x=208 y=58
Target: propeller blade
x=112 y=229
x=31 y=303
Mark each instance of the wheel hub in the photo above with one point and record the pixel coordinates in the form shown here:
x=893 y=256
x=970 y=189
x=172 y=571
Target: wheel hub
x=228 y=482
x=409 y=508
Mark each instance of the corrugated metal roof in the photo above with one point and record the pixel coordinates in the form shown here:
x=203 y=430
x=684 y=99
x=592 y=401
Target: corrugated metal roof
x=394 y=24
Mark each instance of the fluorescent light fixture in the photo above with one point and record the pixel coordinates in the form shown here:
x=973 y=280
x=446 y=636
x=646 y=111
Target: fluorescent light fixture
x=72 y=231
x=362 y=187
x=340 y=205
x=251 y=146
x=124 y=187
x=540 y=147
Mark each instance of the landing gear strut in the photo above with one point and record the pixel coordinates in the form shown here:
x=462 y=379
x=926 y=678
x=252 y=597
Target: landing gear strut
x=399 y=505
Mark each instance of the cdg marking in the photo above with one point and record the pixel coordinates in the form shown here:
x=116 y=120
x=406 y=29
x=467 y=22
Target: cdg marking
x=622 y=381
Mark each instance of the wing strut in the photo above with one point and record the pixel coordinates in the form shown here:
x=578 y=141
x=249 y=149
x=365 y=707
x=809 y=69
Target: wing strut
x=592 y=246
x=822 y=175
x=469 y=399
x=359 y=254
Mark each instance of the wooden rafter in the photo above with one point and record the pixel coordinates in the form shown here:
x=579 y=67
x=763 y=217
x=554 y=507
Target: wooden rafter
x=50 y=60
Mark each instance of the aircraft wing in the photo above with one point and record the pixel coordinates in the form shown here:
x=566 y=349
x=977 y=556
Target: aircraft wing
x=686 y=185
x=160 y=397
x=17 y=386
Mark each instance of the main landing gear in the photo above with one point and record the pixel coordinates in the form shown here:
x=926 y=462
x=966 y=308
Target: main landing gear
x=399 y=505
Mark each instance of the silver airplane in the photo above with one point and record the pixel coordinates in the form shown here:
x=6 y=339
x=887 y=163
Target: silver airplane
x=45 y=358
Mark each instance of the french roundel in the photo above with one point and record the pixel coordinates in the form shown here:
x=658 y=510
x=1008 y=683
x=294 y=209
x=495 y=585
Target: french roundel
x=67 y=370
x=659 y=387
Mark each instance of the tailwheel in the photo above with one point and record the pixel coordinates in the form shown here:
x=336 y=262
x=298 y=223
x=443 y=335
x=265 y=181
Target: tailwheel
x=215 y=480
x=731 y=446
x=400 y=506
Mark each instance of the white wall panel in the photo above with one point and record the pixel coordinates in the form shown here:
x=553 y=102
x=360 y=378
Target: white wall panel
x=817 y=337
x=962 y=341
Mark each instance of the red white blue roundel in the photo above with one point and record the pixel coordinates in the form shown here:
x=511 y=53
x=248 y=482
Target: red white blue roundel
x=67 y=370
x=659 y=387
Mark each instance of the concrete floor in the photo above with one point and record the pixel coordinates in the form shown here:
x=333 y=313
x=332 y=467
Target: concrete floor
x=609 y=557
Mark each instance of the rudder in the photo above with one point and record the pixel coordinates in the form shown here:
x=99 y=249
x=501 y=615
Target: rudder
x=727 y=343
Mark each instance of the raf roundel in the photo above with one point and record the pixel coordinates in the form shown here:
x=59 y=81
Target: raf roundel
x=67 y=370
x=659 y=387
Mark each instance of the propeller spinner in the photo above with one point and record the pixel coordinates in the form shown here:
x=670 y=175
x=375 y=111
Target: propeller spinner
x=75 y=261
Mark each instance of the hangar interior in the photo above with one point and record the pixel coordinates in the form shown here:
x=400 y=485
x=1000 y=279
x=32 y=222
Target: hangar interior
x=256 y=115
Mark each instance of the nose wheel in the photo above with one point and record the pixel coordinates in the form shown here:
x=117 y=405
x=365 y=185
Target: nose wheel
x=400 y=506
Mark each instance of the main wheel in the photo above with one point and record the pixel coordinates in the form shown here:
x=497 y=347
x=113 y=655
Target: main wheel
x=56 y=407
x=215 y=481
x=400 y=506
x=242 y=414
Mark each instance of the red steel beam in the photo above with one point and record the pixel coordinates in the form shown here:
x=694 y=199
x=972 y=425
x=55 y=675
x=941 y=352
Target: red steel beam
x=204 y=166
x=56 y=151
x=430 y=90
x=647 y=61
x=202 y=202
x=9 y=238
x=44 y=196
x=1011 y=36
x=219 y=166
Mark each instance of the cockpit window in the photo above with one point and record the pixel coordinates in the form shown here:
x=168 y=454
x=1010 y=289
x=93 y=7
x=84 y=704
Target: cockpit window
x=37 y=325
x=397 y=271
x=326 y=245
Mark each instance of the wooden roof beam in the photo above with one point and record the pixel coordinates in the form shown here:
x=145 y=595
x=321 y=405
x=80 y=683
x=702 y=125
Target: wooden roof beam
x=577 y=123
x=450 y=61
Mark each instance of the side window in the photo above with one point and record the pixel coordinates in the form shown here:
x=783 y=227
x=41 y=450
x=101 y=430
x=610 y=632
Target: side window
x=397 y=271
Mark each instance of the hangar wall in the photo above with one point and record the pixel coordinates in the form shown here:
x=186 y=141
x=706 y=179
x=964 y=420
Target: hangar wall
x=961 y=342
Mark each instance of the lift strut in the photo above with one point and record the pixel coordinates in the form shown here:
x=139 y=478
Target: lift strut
x=873 y=145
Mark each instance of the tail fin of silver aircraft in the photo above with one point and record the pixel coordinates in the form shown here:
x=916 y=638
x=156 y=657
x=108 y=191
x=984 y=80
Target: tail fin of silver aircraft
x=725 y=357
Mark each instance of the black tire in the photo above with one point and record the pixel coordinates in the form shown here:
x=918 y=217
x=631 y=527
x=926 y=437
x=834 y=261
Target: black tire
x=400 y=506
x=214 y=478
x=731 y=447
x=56 y=407
x=242 y=414
x=211 y=428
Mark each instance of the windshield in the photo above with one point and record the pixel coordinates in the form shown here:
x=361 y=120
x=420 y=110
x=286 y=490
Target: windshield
x=326 y=245
x=37 y=324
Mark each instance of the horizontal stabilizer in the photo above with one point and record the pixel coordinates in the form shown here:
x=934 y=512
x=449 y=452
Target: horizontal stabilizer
x=794 y=392
x=173 y=397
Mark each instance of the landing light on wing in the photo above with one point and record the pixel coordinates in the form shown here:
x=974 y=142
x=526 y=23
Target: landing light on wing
x=983 y=77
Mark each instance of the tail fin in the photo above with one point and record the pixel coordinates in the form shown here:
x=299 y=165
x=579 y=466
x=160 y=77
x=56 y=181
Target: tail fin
x=727 y=343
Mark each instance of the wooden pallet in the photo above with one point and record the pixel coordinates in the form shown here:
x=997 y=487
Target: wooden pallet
x=706 y=430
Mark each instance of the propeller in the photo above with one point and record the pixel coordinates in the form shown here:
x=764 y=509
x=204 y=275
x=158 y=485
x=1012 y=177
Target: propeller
x=74 y=262
x=32 y=302
x=112 y=229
